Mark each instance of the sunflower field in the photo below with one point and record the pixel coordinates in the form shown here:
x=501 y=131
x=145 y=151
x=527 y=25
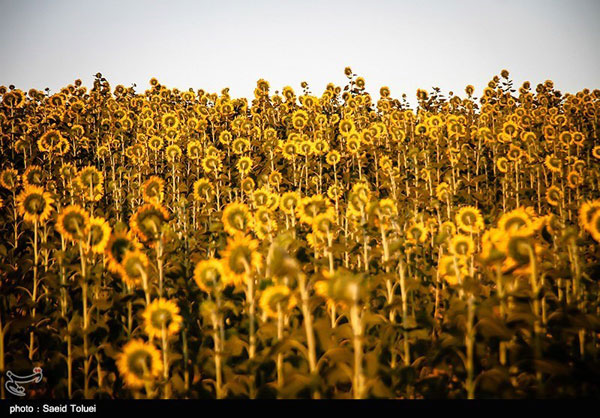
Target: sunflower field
x=185 y=244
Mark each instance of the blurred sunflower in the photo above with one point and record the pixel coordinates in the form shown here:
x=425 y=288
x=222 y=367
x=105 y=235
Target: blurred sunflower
x=162 y=314
x=35 y=204
x=139 y=363
x=99 y=232
x=210 y=276
x=469 y=219
x=72 y=223
x=236 y=218
x=147 y=222
x=241 y=257
x=277 y=299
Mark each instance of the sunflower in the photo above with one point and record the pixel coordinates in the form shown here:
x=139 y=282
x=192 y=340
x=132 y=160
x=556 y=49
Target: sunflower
x=451 y=268
x=462 y=245
x=91 y=182
x=173 y=153
x=553 y=163
x=442 y=191
x=72 y=223
x=416 y=232
x=33 y=176
x=469 y=219
x=574 y=179
x=275 y=178
x=596 y=152
x=148 y=220
x=586 y=213
x=289 y=202
x=155 y=143
x=117 y=246
x=517 y=221
x=323 y=224
x=139 y=363
x=502 y=164
x=276 y=299
x=236 y=218
x=49 y=141
x=99 y=233
x=312 y=206
x=9 y=178
x=203 y=190
x=212 y=164
x=240 y=257
x=133 y=267
x=162 y=314
x=153 y=190
x=593 y=226
x=35 y=204
x=244 y=165
x=554 y=195
x=209 y=275
x=519 y=249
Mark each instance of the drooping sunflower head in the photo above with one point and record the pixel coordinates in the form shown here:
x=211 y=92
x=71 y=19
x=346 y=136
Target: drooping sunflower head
x=162 y=316
x=91 y=183
x=517 y=221
x=553 y=163
x=289 y=202
x=244 y=165
x=594 y=225
x=117 y=246
x=312 y=206
x=236 y=218
x=147 y=222
x=9 y=179
x=276 y=300
x=586 y=213
x=72 y=223
x=212 y=164
x=139 y=363
x=462 y=245
x=519 y=248
x=35 y=204
x=153 y=190
x=452 y=268
x=134 y=268
x=417 y=232
x=173 y=153
x=34 y=176
x=554 y=196
x=323 y=224
x=442 y=191
x=241 y=258
x=99 y=232
x=203 y=190
x=209 y=275
x=469 y=219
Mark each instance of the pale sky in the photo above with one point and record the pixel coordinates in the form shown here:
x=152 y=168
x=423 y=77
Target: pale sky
x=214 y=44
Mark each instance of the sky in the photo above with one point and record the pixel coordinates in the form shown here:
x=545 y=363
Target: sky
x=404 y=45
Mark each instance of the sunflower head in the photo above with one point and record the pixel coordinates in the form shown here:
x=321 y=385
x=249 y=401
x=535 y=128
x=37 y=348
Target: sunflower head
x=452 y=268
x=72 y=223
x=236 y=218
x=241 y=258
x=209 y=275
x=148 y=221
x=277 y=300
x=35 y=204
x=517 y=221
x=462 y=245
x=99 y=233
x=153 y=190
x=9 y=179
x=162 y=316
x=139 y=363
x=469 y=219
x=417 y=233
x=134 y=267
x=119 y=243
